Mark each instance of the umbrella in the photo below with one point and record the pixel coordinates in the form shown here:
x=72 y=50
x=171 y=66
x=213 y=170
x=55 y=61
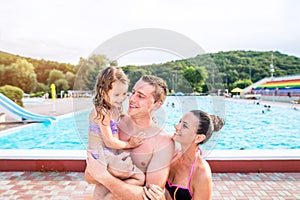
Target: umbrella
x=237 y=90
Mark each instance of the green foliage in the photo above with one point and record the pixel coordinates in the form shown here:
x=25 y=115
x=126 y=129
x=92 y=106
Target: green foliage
x=134 y=74
x=38 y=94
x=202 y=73
x=255 y=65
x=195 y=76
x=242 y=83
x=55 y=75
x=88 y=70
x=20 y=74
x=70 y=78
x=42 y=69
x=14 y=93
x=61 y=84
x=41 y=87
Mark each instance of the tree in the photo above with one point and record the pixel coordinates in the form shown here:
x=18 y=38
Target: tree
x=88 y=70
x=2 y=75
x=55 y=75
x=194 y=77
x=134 y=74
x=70 y=77
x=20 y=74
x=242 y=83
x=14 y=93
x=61 y=85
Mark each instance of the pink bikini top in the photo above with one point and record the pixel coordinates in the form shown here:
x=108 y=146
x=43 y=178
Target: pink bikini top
x=178 y=192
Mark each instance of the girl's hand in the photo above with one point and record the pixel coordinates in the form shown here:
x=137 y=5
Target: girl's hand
x=154 y=192
x=137 y=140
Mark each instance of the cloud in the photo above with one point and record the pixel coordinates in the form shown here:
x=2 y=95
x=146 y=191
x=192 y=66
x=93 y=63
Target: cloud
x=67 y=30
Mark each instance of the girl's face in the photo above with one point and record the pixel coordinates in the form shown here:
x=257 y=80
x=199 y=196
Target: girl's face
x=117 y=94
x=186 y=129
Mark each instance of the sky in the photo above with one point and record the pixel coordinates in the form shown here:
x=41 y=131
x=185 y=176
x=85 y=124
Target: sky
x=65 y=30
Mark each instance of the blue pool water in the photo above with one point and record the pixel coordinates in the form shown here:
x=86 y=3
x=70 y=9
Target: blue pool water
x=246 y=126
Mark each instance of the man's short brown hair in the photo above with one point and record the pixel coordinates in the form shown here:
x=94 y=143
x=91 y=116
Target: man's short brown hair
x=160 y=87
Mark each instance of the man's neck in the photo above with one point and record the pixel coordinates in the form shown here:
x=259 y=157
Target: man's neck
x=146 y=125
x=142 y=122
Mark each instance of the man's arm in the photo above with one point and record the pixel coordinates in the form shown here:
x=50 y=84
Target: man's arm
x=159 y=166
x=118 y=188
x=157 y=173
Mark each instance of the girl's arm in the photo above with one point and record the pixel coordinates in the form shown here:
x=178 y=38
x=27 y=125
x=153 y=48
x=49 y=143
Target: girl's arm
x=114 y=142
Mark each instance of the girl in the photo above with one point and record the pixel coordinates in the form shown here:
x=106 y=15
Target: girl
x=110 y=92
x=190 y=175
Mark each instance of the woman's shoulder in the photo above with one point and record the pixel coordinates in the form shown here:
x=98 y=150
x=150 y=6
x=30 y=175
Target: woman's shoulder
x=202 y=176
x=202 y=170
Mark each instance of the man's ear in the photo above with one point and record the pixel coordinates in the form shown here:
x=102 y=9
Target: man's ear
x=157 y=105
x=199 y=138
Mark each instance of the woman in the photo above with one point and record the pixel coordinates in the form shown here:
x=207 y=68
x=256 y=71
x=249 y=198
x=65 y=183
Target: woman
x=190 y=175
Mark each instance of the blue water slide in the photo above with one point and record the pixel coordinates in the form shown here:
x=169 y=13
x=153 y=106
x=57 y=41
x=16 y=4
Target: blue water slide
x=20 y=113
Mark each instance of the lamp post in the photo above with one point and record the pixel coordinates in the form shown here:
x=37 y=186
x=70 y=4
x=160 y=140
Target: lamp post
x=272 y=68
x=272 y=71
x=250 y=75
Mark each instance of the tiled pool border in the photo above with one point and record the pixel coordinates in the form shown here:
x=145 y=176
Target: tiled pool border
x=219 y=160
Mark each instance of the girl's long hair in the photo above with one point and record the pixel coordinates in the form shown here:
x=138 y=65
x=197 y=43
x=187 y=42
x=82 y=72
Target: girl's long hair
x=104 y=84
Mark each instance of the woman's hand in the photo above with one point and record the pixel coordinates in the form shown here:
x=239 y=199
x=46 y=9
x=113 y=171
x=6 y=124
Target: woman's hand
x=154 y=192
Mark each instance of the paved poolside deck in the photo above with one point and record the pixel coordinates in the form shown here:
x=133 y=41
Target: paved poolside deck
x=70 y=185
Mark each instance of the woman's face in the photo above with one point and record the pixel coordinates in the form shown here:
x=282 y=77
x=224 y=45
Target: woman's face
x=186 y=129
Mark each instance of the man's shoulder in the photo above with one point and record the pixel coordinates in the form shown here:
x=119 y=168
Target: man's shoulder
x=160 y=132
x=164 y=134
x=163 y=138
x=125 y=121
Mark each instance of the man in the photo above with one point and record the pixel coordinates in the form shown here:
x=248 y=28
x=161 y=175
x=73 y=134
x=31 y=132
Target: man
x=154 y=155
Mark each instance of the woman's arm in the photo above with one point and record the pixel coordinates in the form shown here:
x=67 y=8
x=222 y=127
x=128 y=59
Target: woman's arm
x=202 y=177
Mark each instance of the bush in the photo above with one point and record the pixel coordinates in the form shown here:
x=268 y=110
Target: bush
x=14 y=93
x=37 y=94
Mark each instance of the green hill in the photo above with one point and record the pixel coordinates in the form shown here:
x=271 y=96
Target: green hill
x=201 y=73
x=222 y=69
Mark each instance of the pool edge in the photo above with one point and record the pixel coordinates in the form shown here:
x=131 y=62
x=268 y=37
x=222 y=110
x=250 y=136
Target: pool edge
x=226 y=161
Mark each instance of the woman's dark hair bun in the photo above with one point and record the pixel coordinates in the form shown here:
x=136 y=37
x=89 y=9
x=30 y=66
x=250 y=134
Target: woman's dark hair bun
x=218 y=122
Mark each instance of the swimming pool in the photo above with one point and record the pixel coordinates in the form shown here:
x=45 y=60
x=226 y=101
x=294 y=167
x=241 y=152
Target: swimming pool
x=247 y=127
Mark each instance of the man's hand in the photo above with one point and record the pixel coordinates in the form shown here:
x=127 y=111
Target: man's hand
x=154 y=192
x=96 y=168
